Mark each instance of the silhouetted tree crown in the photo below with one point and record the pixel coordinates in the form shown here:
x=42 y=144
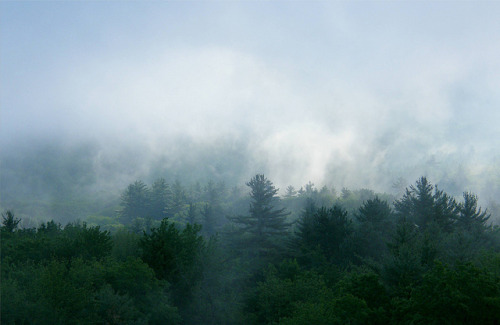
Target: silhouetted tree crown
x=423 y=207
x=469 y=216
x=266 y=223
x=9 y=222
x=161 y=197
x=135 y=201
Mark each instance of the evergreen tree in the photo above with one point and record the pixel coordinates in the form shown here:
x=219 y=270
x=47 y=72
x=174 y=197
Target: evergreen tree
x=9 y=222
x=376 y=212
x=178 y=199
x=310 y=190
x=290 y=192
x=325 y=197
x=326 y=229
x=135 y=201
x=191 y=213
x=174 y=256
x=469 y=215
x=208 y=219
x=345 y=193
x=266 y=224
x=161 y=196
x=212 y=209
x=375 y=227
x=423 y=207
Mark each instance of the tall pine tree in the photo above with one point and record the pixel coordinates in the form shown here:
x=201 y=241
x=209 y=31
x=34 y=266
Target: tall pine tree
x=422 y=207
x=135 y=202
x=263 y=230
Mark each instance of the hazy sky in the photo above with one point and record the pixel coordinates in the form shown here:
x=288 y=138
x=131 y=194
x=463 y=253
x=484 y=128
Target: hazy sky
x=332 y=92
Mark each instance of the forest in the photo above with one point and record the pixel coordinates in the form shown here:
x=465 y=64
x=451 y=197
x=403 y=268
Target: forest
x=206 y=253
x=249 y=162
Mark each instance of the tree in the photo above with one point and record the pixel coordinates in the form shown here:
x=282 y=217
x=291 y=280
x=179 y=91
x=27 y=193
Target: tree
x=266 y=224
x=469 y=215
x=178 y=199
x=326 y=197
x=345 y=193
x=376 y=212
x=191 y=213
x=423 y=207
x=465 y=294
x=290 y=192
x=9 y=222
x=174 y=256
x=208 y=219
x=375 y=226
x=135 y=201
x=328 y=230
x=212 y=209
x=161 y=196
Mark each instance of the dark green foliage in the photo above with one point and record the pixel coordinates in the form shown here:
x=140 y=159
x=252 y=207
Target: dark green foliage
x=56 y=275
x=469 y=216
x=402 y=268
x=328 y=230
x=212 y=209
x=376 y=212
x=161 y=198
x=125 y=244
x=445 y=210
x=179 y=200
x=463 y=295
x=174 y=256
x=289 y=295
x=218 y=297
x=423 y=207
x=50 y=240
x=114 y=308
x=263 y=230
x=368 y=287
x=9 y=222
x=438 y=263
x=375 y=226
x=191 y=213
x=135 y=202
x=341 y=310
x=208 y=219
x=278 y=295
x=92 y=242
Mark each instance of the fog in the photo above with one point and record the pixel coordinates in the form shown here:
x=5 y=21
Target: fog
x=342 y=94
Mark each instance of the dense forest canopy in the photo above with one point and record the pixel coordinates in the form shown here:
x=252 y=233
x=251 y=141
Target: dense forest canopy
x=214 y=255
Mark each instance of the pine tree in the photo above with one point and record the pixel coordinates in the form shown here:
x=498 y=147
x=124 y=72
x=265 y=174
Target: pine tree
x=264 y=228
x=135 y=202
x=290 y=192
x=161 y=197
x=469 y=215
x=326 y=229
x=208 y=221
x=178 y=199
x=376 y=212
x=9 y=222
x=423 y=207
x=375 y=226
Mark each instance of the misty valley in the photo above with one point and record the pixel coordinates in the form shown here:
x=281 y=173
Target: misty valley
x=249 y=162
x=209 y=253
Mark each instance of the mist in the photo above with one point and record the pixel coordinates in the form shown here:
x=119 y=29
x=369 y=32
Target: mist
x=344 y=95
x=249 y=162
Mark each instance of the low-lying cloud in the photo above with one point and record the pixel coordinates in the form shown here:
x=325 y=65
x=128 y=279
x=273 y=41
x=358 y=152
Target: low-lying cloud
x=357 y=105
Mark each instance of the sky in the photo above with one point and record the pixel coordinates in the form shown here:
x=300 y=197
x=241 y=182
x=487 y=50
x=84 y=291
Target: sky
x=351 y=94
